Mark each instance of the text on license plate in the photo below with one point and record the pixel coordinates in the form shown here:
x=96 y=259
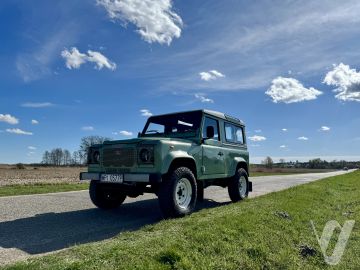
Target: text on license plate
x=112 y=178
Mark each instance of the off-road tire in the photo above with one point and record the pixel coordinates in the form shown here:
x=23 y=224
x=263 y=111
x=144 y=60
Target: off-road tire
x=105 y=198
x=169 y=193
x=238 y=187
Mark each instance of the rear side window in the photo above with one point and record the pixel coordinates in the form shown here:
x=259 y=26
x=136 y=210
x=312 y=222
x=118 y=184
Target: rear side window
x=234 y=134
x=215 y=124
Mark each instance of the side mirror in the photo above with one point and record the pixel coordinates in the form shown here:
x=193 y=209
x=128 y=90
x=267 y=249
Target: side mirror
x=210 y=132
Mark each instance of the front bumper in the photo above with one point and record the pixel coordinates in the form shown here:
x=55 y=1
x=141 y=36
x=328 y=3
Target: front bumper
x=128 y=177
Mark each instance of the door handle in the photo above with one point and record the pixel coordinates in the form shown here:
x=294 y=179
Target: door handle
x=220 y=154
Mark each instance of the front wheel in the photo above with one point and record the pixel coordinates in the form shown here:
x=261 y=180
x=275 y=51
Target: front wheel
x=104 y=196
x=238 y=187
x=177 y=194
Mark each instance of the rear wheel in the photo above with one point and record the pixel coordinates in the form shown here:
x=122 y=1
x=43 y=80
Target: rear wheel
x=105 y=197
x=238 y=187
x=177 y=194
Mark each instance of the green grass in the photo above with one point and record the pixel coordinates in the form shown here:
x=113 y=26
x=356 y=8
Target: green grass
x=40 y=188
x=254 y=234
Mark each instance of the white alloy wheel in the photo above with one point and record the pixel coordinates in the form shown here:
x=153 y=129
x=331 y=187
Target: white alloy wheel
x=183 y=193
x=242 y=186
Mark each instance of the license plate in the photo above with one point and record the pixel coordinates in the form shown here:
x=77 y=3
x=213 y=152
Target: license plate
x=112 y=178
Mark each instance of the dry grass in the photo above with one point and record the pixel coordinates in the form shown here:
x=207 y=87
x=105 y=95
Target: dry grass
x=9 y=175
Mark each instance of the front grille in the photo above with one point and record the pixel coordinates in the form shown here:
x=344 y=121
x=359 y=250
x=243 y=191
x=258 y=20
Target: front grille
x=119 y=157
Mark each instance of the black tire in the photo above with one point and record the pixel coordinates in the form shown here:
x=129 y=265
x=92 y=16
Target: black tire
x=105 y=197
x=238 y=190
x=171 y=191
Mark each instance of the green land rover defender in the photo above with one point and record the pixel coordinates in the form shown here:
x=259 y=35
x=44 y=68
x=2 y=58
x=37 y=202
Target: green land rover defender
x=176 y=156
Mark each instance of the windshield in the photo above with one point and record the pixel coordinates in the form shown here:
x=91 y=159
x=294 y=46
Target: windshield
x=173 y=125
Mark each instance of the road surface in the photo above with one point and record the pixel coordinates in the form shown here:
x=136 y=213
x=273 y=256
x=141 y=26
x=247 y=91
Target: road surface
x=37 y=224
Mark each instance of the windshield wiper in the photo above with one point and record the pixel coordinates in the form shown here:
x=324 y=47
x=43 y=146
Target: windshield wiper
x=152 y=131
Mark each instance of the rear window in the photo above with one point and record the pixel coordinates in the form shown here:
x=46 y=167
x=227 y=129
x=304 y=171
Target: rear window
x=234 y=134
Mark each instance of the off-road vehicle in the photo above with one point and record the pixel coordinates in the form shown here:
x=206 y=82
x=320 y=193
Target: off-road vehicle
x=176 y=156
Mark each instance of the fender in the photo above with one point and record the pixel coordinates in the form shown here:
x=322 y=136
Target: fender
x=235 y=163
x=171 y=156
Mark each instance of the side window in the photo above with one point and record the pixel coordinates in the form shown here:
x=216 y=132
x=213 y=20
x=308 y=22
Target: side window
x=234 y=134
x=215 y=124
x=239 y=135
x=229 y=133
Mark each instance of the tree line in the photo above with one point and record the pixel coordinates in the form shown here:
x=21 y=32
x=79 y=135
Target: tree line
x=63 y=157
x=316 y=163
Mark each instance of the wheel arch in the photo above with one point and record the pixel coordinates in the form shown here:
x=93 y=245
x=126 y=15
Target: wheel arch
x=183 y=162
x=241 y=163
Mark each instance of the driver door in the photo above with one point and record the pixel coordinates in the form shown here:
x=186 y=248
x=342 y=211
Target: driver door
x=212 y=151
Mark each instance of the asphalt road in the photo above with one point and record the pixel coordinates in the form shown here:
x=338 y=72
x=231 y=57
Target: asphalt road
x=37 y=224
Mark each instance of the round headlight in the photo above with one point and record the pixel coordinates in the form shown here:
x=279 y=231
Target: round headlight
x=144 y=155
x=96 y=157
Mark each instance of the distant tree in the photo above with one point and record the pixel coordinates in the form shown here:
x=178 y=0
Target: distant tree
x=88 y=141
x=268 y=162
x=46 y=158
x=66 y=157
x=282 y=162
x=75 y=158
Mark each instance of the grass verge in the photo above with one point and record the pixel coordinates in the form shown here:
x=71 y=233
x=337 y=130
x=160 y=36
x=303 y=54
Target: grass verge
x=39 y=188
x=268 y=232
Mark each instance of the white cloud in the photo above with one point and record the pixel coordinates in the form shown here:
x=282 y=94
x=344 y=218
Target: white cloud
x=203 y=98
x=88 y=128
x=34 y=122
x=18 y=131
x=303 y=138
x=290 y=90
x=125 y=133
x=31 y=147
x=146 y=113
x=37 y=104
x=211 y=75
x=325 y=128
x=283 y=146
x=155 y=20
x=346 y=80
x=74 y=59
x=257 y=130
x=257 y=138
x=7 y=118
x=284 y=129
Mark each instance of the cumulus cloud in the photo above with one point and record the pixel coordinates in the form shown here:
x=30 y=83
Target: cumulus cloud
x=125 y=133
x=37 y=104
x=346 y=80
x=18 y=131
x=303 y=138
x=283 y=146
x=258 y=130
x=284 y=129
x=290 y=90
x=31 y=147
x=34 y=122
x=203 y=98
x=74 y=59
x=146 y=113
x=88 y=128
x=324 y=128
x=155 y=20
x=211 y=75
x=257 y=138
x=7 y=118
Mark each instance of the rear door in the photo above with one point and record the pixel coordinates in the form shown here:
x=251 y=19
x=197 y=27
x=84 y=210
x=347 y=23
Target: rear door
x=213 y=155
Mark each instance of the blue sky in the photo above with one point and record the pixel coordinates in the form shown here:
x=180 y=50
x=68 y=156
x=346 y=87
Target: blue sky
x=275 y=64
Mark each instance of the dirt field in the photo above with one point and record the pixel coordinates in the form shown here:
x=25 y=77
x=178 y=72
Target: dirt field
x=9 y=175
